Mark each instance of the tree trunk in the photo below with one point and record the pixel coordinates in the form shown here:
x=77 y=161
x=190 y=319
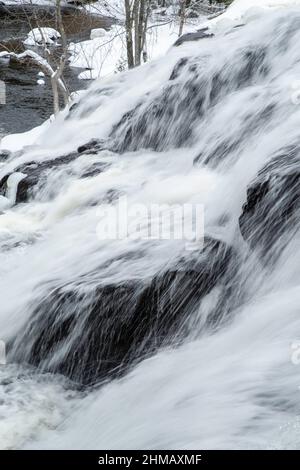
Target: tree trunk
x=129 y=41
x=182 y=16
x=142 y=28
x=136 y=18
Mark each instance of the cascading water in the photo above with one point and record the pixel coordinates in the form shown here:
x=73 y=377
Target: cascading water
x=138 y=343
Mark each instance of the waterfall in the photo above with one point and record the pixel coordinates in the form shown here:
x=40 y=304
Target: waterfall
x=140 y=342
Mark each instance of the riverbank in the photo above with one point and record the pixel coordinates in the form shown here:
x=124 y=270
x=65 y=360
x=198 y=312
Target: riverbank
x=28 y=104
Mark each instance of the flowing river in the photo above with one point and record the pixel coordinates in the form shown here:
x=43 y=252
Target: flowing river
x=125 y=340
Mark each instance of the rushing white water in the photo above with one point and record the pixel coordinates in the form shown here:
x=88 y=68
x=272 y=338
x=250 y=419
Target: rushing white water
x=229 y=108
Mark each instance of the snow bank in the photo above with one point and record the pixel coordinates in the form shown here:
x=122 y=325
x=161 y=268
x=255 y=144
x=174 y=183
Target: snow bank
x=105 y=55
x=242 y=11
x=33 y=2
x=112 y=8
x=15 y=142
x=40 y=36
x=98 y=33
x=239 y=7
x=100 y=55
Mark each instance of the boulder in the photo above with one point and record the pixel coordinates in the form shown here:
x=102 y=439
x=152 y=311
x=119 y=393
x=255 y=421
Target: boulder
x=98 y=33
x=89 y=333
x=36 y=171
x=169 y=119
x=270 y=215
x=4 y=155
x=201 y=34
x=166 y=120
x=92 y=147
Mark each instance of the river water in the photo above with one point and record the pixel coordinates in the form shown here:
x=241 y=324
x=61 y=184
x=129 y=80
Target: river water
x=27 y=103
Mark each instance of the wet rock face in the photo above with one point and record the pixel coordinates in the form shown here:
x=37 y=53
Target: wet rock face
x=201 y=34
x=271 y=214
x=228 y=147
x=170 y=118
x=36 y=171
x=4 y=155
x=159 y=124
x=117 y=325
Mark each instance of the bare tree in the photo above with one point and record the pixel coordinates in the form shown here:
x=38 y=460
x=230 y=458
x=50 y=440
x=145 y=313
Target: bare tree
x=52 y=65
x=182 y=16
x=57 y=76
x=136 y=21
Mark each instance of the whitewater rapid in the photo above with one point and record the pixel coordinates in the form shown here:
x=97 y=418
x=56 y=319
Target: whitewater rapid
x=233 y=385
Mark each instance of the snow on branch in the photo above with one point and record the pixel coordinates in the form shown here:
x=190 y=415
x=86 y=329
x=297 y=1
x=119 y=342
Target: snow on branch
x=34 y=58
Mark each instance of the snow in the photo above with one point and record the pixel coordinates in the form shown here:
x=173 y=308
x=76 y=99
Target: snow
x=99 y=55
x=243 y=11
x=30 y=55
x=38 y=60
x=33 y=2
x=40 y=82
x=98 y=33
x=16 y=142
x=239 y=7
x=40 y=36
x=112 y=8
x=106 y=55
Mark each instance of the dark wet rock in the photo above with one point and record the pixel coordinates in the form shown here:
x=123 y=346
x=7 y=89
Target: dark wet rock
x=158 y=124
x=252 y=65
x=169 y=119
x=78 y=2
x=94 y=169
x=72 y=110
x=178 y=68
x=192 y=14
x=4 y=155
x=36 y=172
x=201 y=34
x=89 y=334
x=271 y=215
x=91 y=147
x=253 y=62
x=229 y=147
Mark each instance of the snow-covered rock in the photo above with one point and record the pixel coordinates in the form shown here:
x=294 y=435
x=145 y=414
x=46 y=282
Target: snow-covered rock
x=97 y=33
x=15 y=142
x=40 y=36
